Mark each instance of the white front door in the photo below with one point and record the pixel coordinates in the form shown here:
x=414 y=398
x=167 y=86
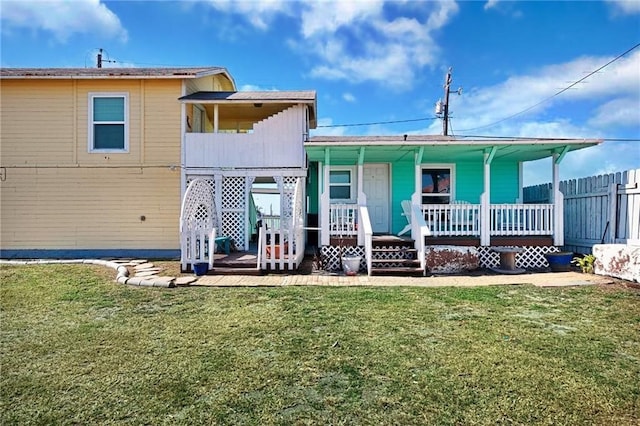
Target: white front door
x=376 y=188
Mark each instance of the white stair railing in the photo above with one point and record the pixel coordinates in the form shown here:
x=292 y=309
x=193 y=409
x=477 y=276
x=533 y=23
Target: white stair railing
x=367 y=230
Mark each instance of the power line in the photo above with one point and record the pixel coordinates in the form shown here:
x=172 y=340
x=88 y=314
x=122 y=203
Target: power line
x=379 y=122
x=546 y=139
x=555 y=94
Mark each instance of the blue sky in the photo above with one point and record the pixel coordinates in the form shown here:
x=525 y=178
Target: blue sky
x=376 y=62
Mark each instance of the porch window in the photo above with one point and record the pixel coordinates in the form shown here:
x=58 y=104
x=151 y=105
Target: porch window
x=436 y=185
x=108 y=122
x=341 y=184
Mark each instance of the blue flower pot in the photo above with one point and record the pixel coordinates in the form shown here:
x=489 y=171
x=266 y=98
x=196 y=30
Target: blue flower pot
x=559 y=262
x=200 y=268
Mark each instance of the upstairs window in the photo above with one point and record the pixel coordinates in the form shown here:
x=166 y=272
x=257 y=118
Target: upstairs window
x=341 y=184
x=436 y=185
x=108 y=122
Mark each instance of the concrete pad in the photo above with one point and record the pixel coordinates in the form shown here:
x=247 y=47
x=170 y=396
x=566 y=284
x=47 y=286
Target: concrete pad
x=143 y=266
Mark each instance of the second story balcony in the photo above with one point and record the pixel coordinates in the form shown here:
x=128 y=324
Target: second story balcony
x=247 y=129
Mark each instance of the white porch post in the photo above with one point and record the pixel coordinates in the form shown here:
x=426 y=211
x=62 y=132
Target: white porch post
x=558 y=201
x=416 y=198
x=216 y=120
x=247 y=214
x=325 y=202
x=485 y=199
x=362 y=198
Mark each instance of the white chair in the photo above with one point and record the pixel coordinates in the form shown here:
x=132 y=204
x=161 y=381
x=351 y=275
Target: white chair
x=406 y=212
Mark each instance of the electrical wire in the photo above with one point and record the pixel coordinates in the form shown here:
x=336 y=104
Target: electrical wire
x=379 y=122
x=555 y=94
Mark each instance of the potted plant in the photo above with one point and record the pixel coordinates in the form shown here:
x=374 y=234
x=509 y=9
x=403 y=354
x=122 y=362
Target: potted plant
x=585 y=263
x=560 y=261
x=351 y=264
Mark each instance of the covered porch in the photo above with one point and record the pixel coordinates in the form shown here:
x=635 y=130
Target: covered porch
x=440 y=191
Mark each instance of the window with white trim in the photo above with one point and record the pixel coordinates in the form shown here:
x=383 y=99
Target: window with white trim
x=341 y=184
x=108 y=122
x=437 y=185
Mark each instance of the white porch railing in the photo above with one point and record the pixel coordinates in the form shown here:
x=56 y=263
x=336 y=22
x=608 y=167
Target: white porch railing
x=521 y=219
x=452 y=219
x=504 y=219
x=343 y=220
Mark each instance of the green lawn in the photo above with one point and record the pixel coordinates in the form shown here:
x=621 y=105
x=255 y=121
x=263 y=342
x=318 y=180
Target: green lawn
x=77 y=348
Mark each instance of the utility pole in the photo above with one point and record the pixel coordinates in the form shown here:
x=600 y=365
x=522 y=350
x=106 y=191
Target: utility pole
x=99 y=64
x=445 y=121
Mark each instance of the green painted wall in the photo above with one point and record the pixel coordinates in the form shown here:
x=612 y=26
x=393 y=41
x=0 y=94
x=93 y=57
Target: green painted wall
x=402 y=187
x=312 y=187
x=468 y=184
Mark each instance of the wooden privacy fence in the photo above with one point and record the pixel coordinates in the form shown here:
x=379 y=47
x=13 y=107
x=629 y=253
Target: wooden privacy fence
x=601 y=209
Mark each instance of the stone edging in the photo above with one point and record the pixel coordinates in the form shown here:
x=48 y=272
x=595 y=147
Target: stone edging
x=120 y=266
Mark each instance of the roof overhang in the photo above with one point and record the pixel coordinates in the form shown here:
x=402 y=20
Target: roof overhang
x=256 y=99
x=112 y=73
x=440 y=148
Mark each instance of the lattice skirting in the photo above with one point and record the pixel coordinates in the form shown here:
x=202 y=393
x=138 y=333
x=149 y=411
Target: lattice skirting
x=330 y=256
x=531 y=258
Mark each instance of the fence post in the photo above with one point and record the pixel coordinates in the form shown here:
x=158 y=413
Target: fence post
x=612 y=227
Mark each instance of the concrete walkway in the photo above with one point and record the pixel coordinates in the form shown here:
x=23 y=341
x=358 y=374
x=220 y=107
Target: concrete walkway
x=147 y=274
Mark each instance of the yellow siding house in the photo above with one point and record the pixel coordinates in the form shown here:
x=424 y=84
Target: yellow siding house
x=90 y=159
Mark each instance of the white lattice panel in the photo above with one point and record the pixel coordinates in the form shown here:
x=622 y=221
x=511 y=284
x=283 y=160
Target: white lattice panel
x=212 y=188
x=233 y=193
x=233 y=209
x=531 y=258
x=331 y=256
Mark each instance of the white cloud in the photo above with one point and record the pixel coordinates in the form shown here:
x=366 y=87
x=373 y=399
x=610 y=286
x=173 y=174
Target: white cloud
x=618 y=112
x=259 y=13
x=348 y=97
x=327 y=131
x=626 y=7
x=480 y=107
x=490 y=4
x=63 y=18
x=357 y=41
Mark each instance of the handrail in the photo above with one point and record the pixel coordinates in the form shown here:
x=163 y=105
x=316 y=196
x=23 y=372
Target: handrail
x=367 y=229
x=419 y=230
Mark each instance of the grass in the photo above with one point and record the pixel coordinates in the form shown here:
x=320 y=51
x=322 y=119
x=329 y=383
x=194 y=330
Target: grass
x=77 y=348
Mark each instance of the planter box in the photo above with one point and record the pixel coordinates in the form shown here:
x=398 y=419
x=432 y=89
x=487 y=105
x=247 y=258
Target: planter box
x=559 y=262
x=280 y=250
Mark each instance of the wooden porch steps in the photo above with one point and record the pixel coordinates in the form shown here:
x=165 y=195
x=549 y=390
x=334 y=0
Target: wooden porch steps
x=235 y=263
x=391 y=255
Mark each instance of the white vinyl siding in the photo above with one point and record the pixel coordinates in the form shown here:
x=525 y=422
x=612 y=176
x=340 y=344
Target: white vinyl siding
x=108 y=122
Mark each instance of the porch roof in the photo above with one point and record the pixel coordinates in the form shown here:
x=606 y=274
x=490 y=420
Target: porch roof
x=438 y=148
